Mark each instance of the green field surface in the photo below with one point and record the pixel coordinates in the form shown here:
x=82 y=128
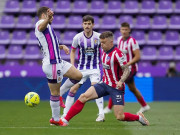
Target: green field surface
x=18 y=119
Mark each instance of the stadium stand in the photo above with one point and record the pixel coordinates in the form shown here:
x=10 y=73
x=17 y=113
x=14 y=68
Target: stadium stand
x=155 y=25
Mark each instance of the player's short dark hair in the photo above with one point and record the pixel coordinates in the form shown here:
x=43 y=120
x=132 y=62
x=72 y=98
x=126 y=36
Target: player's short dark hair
x=125 y=24
x=88 y=18
x=42 y=10
x=106 y=34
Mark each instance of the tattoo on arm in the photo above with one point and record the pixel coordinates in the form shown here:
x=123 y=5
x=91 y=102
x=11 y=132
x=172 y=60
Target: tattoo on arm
x=126 y=73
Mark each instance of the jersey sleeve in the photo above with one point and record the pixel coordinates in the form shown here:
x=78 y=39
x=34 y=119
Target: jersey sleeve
x=121 y=58
x=75 y=42
x=37 y=24
x=135 y=45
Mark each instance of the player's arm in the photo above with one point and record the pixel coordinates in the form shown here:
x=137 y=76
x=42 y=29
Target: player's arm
x=65 y=48
x=126 y=72
x=125 y=68
x=136 y=57
x=42 y=26
x=124 y=76
x=73 y=55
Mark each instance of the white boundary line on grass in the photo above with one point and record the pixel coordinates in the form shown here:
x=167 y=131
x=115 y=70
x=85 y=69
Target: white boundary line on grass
x=50 y=127
x=111 y=128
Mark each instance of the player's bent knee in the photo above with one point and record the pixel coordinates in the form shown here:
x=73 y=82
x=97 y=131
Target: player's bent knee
x=83 y=98
x=120 y=117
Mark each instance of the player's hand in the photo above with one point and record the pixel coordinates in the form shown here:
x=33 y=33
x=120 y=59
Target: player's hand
x=50 y=14
x=119 y=85
x=66 y=49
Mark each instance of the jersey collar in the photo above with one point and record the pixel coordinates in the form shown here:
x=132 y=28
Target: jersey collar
x=88 y=37
x=110 y=50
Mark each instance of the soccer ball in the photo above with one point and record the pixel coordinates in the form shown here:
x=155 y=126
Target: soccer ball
x=32 y=99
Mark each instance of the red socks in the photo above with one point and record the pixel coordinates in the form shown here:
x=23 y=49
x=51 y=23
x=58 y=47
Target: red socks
x=74 y=110
x=110 y=104
x=130 y=117
x=142 y=101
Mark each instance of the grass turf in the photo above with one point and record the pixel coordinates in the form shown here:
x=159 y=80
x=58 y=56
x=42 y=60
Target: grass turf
x=18 y=119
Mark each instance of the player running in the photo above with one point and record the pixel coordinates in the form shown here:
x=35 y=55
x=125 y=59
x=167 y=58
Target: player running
x=129 y=46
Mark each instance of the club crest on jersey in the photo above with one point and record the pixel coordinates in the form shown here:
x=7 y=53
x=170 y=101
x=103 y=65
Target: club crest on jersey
x=107 y=58
x=59 y=78
x=95 y=41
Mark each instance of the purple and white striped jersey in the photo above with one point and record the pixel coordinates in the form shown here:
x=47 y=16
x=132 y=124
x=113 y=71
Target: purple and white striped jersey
x=89 y=50
x=49 y=44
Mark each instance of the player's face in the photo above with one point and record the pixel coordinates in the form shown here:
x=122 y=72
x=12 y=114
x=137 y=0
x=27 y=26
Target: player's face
x=106 y=44
x=125 y=31
x=50 y=22
x=88 y=26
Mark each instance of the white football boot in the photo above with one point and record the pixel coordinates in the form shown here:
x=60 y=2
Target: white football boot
x=144 y=109
x=100 y=118
x=107 y=110
x=143 y=120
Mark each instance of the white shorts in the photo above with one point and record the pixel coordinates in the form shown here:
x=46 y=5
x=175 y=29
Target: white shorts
x=93 y=74
x=55 y=72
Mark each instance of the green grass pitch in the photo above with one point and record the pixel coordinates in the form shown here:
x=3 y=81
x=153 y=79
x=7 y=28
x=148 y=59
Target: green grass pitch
x=18 y=119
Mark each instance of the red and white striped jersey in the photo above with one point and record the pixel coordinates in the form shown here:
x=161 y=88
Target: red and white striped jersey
x=112 y=62
x=127 y=47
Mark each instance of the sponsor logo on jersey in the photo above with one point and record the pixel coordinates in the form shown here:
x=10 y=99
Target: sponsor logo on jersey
x=105 y=66
x=89 y=51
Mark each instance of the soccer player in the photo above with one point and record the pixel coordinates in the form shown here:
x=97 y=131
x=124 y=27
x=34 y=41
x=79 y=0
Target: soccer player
x=115 y=72
x=129 y=46
x=53 y=66
x=88 y=44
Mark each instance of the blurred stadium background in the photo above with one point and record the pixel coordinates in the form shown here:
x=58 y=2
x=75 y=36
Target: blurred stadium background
x=155 y=24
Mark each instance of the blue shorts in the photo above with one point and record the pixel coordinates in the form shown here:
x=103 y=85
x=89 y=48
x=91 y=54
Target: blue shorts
x=103 y=89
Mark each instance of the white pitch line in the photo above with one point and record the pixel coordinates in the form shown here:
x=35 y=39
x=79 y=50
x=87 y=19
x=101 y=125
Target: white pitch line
x=50 y=127
x=59 y=127
x=125 y=128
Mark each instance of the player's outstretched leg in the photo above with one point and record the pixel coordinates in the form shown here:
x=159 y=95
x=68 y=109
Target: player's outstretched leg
x=133 y=117
x=74 y=110
x=64 y=88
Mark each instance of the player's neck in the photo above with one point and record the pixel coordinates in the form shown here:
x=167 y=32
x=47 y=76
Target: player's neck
x=88 y=34
x=125 y=38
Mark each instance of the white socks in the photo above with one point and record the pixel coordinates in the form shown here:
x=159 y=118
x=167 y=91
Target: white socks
x=100 y=104
x=55 y=108
x=66 y=86
x=69 y=102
